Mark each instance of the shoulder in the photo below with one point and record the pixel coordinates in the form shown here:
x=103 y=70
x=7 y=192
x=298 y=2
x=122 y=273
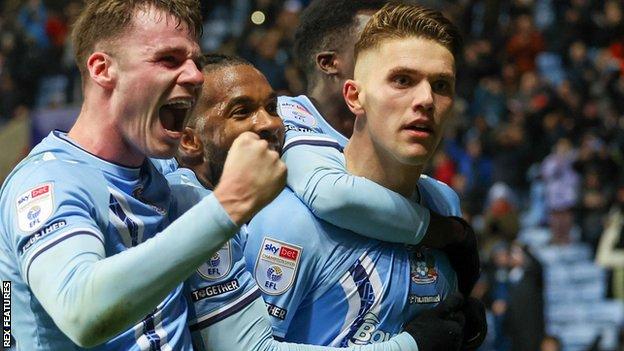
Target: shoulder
x=296 y=115
x=284 y=214
x=186 y=190
x=285 y=222
x=63 y=176
x=438 y=196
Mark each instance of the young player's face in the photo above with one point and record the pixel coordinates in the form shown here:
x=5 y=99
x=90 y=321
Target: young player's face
x=234 y=100
x=157 y=83
x=406 y=89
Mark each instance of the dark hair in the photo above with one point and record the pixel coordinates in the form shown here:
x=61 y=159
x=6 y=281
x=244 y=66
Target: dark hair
x=402 y=21
x=211 y=62
x=324 y=25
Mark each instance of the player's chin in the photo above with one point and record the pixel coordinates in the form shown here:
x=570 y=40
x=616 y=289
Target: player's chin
x=415 y=155
x=163 y=149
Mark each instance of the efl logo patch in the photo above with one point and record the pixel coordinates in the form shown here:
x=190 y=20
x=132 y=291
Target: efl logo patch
x=34 y=207
x=219 y=264
x=297 y=113
x=276 y=266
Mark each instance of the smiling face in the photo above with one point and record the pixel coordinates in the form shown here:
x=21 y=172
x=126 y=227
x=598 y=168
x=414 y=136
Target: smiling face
x=156 y=83
x=236 y=99
x=405 y=94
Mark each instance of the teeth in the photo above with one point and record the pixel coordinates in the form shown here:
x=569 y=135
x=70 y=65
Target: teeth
x=180 y=104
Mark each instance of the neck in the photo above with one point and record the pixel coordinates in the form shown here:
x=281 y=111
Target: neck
x=333 y=108
x=366 y=160
x=202 y=171
x=96 y=131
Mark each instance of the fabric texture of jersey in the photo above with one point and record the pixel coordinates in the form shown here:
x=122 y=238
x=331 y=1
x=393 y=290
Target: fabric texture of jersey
x=326 y=285
x=221 y=286
x=60 y=191
x=305 y=125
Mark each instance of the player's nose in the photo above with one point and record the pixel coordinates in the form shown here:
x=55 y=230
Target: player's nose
x=423 y=96
x=191 y=75
x=267 y=124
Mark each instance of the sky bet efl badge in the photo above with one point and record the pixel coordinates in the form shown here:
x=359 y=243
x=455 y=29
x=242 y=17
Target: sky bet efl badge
x=277 y=265
x=34 y=207
x=298 y=113
x=218 y=265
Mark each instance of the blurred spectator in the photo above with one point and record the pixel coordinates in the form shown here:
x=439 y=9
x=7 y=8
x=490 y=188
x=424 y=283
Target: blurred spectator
x=511 y=157
x=8 y=97
x=443 y=167
x=562 y=183
x=524 y=322
x=489 y=101
x=33 y=17
x=475 y=169
x=496 y=298
x=525 y=44
x=500 y=217
x=550 y=343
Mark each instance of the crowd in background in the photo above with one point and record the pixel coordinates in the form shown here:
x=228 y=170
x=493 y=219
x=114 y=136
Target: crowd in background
x=537 y=141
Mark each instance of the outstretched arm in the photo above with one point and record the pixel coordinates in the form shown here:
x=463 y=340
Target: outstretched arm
x=72 y=279
x=317 y=174
x=250 y=330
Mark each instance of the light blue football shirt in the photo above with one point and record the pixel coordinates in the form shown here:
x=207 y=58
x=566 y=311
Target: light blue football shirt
x=225 y=310
x=221 y=286
x=59 y=192
x=325 y=285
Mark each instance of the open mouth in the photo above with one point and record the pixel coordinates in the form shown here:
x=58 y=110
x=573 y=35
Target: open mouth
x=173 y=114
x=420 y=128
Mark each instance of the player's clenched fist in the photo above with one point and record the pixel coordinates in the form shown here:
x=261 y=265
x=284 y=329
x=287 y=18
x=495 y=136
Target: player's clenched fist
x=252 y=177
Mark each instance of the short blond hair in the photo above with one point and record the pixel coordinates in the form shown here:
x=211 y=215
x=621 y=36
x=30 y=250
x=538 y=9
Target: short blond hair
x=397 y=21
x=102 y=20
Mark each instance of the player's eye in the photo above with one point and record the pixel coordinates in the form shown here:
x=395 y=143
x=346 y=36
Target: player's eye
x=401 y=81
x=442 y=87
x=271 y=108
x=168 y=60
x=241 y=112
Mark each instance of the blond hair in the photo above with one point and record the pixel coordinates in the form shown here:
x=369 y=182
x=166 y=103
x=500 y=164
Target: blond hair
x=103 y=20
x=396 y=21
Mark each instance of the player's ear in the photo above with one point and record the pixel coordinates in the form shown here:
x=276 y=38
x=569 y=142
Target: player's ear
x=326 y=61
x=351 y=93
x=101 y=70
x=191 y=146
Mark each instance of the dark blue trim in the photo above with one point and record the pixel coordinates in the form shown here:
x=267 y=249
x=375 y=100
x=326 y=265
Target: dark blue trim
x=149 y=330
x=230 y=311
x=133 y=227
x=333 y=144
x=51 y=246
x=367 y=298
